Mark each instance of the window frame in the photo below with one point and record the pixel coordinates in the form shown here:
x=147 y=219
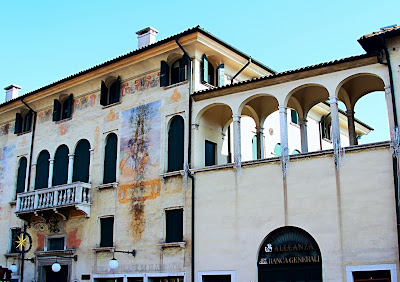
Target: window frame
x=18 y=175
x=371 y=267
x=101 y=220
x=106 y=140
x=167 y=235
x=11 y=245
x=54 y=236
x=108 y=94
x=172 y=146
x=200 y=274
x=23 y=122
x=215 y=146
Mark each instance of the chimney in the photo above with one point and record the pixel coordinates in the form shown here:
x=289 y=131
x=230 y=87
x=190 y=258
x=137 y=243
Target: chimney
x=146 y=36
x=12 y=92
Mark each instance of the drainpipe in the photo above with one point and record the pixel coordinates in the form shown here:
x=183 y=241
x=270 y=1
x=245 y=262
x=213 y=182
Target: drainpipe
x=245 y=66
x=395 y=158
x=190 y=76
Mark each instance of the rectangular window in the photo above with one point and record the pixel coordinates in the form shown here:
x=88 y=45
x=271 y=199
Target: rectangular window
x=13 y=237
x=174 y=225
x=294 y=117
x=210 y=155
x=107 y=232
x=167 y=279
x=55 y=243
x=216 y=278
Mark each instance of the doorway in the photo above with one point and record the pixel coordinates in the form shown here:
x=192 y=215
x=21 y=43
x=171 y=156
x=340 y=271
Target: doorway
x=51 y=276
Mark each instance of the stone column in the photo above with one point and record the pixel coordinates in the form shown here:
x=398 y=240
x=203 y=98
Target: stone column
x=51 y=168
x=91 y=164
x=70 y=167
x=352 y=127
x=236 y=141
x=33 y=176
x=303 y=134
x=284 y=130
x=260 y=143
x=333 y=101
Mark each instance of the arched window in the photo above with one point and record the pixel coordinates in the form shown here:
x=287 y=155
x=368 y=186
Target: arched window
x=110 y=92
x=81 y=162
x=176 y=144
x=42 y=170
x=21 y=175
x=63 y=108
x=110 y=159
x=23 y=122
x=60 y=169
x=174 y=74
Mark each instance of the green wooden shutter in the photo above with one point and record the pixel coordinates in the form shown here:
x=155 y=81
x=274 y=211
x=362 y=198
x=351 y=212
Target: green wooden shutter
x=294 y=116
x=107 y=232
x=28 y=121
x=183 y=68
x=221 y=75
x=176 y=144
x=21 y=175
x=18 y=123
x=69 y=105
x=277 y=150
x=174 y=225
x=164 y=74
x=110 y=159
x=60 y=168
x=115 y=90
x=205 y=69
x=42 y=170
x=103 y=94
x=81 y=162
x=56 y=110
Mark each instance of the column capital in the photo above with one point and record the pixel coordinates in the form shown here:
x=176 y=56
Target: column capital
x=302 y=121
x=51 y=161
x=333 y=99
x=71 y=155
x=387 y=89
x=236 y=117
x=91 y=151
x=259 y=129
x=195 y=126
x=282 y=109
x=350 y=113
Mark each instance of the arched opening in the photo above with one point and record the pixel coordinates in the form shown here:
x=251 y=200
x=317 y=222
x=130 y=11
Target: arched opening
x=21 y=175
x=60 y=168
x=255 y=111
x=176 y=144
x=366 y=122
x=110 y=159
x=213 y=136
x=81 y=162
x=110 y=91
x=289 y=254
x=63 y=107
x=42 y=170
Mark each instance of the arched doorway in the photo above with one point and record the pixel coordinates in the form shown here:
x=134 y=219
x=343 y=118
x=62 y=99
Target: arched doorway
x=289 y=254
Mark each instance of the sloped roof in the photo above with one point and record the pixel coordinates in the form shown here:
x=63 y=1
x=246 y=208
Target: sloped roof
x=372 y=42
x=140 y=50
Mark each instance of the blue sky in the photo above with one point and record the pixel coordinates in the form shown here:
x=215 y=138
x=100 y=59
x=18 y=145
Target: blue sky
x=44 y=41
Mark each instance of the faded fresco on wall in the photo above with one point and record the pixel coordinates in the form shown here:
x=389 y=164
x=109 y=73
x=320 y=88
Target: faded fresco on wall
x=7 y=169
x=140 y=160
x=7 y=128
x=140 y=84
x=84 y=102
x=175 y=97
x=45 y=115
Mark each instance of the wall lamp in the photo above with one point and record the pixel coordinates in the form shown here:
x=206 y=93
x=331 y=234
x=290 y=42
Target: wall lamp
x=14 y=267
x=113 y=264
x=56 y=267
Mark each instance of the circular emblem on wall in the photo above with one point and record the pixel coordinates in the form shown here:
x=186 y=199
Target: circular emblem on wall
x=271 y=131
x=22 y=242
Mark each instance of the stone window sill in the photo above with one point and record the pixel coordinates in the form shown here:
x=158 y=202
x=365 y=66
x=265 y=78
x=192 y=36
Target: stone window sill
x=104 y=249
x=111 y=105
x=175 y=84
x=172 y=245
x=112 y=185
x=172 y=173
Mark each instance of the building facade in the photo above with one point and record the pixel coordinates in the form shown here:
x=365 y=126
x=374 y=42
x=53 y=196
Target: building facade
x=186 y=160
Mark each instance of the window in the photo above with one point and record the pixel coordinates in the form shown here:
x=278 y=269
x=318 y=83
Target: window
x=210 y=149
x=42 y=170
x=63 y=108
x=254 y=147
x=277 y=150
x=216 y=278
x=326 y=128
x=208 y=74
x=294 y=116
x=81 y=162
x=176 y=144
x=166 y=279
x=21 y=175
x=13 y=234
x=110 y=93
x=55 y=243
x=174 y=225
x=110 y=159
x=60 y=169
x=107 y=232
x=23 y=122
x=177 y=73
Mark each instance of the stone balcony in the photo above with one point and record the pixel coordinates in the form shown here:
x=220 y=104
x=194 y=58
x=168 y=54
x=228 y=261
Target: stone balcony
x=59 y=199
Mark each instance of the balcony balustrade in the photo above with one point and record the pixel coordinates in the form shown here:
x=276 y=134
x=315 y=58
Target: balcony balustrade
x=75 y=195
